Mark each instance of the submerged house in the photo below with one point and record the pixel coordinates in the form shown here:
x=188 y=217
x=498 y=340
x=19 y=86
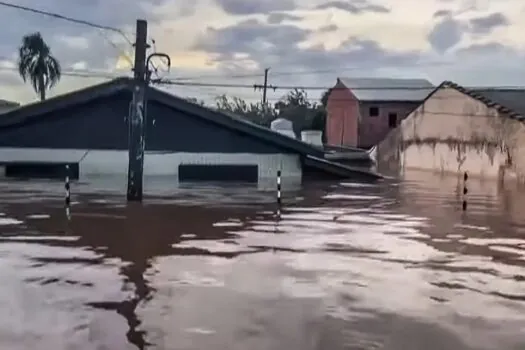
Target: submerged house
x=361 y=111
x=88 y=130
x=455 y=130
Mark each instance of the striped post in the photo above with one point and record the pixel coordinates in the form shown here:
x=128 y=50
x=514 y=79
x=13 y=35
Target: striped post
x=68 y=193
x=279 y=200
x=279 y=187
x=465 y=191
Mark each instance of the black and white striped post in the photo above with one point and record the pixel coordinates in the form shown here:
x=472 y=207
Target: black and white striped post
x=465 y=191
x=279 y=193
x=67 y=186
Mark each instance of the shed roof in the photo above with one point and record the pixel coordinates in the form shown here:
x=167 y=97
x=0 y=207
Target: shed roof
x=388 y=89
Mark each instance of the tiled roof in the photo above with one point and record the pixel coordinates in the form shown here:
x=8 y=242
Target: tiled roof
x=508 y=101
x=388 y=89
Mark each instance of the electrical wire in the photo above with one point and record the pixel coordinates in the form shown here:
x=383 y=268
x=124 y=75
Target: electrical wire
x=78 y=21
x=66 y=18
x=305 y=88
x=76 y=73
x=304 y=72
x=122 y=53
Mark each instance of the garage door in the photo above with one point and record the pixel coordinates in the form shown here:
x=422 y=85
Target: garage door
x=223 y=173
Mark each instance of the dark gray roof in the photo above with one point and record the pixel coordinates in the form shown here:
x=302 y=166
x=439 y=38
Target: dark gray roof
x=38 y=110
x=388 y=89
x=510 y=98
x=510 y=102
x=314 y=155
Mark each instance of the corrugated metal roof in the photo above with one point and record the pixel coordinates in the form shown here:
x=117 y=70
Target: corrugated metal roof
x=389 y=89
x=510 y=98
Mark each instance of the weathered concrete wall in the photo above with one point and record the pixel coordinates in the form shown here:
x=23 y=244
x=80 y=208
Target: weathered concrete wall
x=453 y=133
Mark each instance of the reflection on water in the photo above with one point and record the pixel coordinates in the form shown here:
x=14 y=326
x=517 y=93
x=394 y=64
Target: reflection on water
x=346 y=266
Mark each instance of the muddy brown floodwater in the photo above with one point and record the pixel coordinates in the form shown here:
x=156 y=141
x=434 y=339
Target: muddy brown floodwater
x=395 y=266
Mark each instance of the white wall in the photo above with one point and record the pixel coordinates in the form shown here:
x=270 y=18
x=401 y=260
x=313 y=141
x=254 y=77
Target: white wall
x=96 y=163
x=454 y=133
x=442 y=158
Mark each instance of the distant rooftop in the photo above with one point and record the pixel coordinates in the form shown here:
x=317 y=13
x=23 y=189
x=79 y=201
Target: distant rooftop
x=5 y=103
x=388 y=89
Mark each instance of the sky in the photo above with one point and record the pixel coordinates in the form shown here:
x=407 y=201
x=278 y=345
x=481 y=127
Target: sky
x=304 y=42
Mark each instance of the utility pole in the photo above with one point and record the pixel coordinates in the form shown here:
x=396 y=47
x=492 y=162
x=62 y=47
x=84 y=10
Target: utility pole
x=137 y=117
x=265 y=86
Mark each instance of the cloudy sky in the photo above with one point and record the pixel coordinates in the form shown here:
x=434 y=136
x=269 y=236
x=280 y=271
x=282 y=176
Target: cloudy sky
x=305 y=42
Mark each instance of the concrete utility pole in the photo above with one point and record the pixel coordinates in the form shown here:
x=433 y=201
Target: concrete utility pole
x=265 y=86
x=137 y=117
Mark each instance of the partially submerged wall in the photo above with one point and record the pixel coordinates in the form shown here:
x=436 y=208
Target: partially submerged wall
x=453 y=133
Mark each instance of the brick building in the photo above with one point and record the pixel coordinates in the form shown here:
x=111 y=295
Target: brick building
x=361 y=111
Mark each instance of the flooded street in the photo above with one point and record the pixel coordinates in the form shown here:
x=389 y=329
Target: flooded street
x=395 y=266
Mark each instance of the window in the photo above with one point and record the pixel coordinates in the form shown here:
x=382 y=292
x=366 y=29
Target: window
x=41 y=171
x=219 y=172
x=392 y=120
x=373 y=111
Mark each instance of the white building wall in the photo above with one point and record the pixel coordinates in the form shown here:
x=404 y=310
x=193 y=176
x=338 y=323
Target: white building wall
x=454 y=133
x=97 y=163
x=441 y=157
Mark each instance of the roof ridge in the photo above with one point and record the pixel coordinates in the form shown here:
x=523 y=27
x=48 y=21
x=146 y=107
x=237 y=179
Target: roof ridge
x=63 y=100
x=485 y=100
x=382 y=78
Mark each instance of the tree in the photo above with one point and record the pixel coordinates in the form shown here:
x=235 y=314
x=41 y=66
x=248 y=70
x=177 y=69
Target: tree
x=305 y=115
x=294 y=106
x=36 y=64
x=195 y=101
x=257 y=113
x=324 y=97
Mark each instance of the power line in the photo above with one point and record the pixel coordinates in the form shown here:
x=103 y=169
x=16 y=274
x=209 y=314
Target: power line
x=274 y=87
x=299 y=87
x=66 y=18
x=306 y=72
x=121 y=52
x=77 y=73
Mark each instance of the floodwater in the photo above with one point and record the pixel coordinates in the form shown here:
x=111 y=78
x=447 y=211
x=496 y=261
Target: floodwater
x=396 y=266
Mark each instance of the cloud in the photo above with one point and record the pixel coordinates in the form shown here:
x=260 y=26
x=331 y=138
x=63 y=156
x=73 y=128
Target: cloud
x=223 y=38
x=486 y=24
x=446 y=34
x=500 y=65
x=284 y=46
x=70 y=43
x=355 y=7
x=251 y=37
x=328 y=28
x=250 y=7
x=279 y=17
x=488 y=51
x=442 y=13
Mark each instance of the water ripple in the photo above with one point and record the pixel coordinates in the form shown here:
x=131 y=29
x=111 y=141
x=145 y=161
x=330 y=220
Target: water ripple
x=345 y=266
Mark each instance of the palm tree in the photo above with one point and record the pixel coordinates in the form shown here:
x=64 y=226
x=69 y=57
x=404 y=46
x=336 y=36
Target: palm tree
x=36 y=64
